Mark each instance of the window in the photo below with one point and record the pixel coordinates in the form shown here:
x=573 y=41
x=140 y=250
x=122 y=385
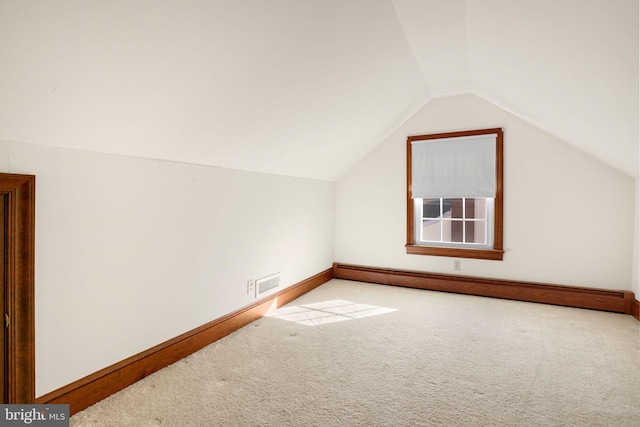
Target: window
x=454 y=194
x=454 y=222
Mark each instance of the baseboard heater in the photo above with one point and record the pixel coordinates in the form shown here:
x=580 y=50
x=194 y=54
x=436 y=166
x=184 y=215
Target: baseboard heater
x=569 y=296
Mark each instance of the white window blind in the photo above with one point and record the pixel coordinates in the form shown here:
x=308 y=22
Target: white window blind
x=454 y=167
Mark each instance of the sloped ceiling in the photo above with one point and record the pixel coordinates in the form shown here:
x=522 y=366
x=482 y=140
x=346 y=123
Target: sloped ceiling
x=307 y=88
x=568 y=66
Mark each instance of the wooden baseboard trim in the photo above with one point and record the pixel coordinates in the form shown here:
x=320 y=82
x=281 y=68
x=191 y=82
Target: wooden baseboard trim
x=635 y=309
x=570 y=296
x=89 y=390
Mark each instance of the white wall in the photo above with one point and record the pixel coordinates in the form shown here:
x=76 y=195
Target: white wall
x=568 y=218
x=132 y=252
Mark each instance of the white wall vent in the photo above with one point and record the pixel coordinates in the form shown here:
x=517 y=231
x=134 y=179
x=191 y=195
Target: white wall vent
x=267 y=283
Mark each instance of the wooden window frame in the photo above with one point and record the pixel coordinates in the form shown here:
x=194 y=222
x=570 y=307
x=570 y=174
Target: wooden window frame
x=497 y=252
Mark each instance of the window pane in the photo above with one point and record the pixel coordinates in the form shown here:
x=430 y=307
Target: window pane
x=480 y=232
x=480 y=210
x=454 y=206
x=431 y=231
x=431 y=208
x=452 y=231
x=446 y=231
x=469 y=208
x=469 y=231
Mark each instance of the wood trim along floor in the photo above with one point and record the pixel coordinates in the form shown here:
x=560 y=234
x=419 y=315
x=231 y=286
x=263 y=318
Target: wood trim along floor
x=85 y=392
x=91 y=389
x=570 y=296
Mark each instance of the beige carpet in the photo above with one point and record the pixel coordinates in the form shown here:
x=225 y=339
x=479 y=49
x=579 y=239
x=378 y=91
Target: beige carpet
x=356 y=354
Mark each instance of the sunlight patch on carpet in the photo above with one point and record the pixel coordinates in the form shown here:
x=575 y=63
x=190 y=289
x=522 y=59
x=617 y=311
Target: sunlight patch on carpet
x=328 y=312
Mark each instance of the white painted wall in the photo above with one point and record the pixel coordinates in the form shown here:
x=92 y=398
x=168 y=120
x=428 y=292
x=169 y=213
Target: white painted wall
x=568 y=217
x=132 y=252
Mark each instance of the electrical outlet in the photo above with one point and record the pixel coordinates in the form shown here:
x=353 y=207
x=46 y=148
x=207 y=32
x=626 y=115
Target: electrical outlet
x=251 y=287
x=456 y=265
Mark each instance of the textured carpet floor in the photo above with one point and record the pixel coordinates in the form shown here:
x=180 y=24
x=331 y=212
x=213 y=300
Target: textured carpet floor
x=357 y=354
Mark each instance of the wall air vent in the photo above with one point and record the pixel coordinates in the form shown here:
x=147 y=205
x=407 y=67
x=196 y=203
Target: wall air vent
x=267 y=283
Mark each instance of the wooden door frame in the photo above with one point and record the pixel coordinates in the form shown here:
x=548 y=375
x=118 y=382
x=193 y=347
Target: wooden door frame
x=19 y=195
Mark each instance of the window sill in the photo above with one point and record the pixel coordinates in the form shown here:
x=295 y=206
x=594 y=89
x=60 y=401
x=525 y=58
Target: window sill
x=491 y=254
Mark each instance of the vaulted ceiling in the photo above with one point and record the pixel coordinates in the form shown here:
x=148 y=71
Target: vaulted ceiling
x=307 y=88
